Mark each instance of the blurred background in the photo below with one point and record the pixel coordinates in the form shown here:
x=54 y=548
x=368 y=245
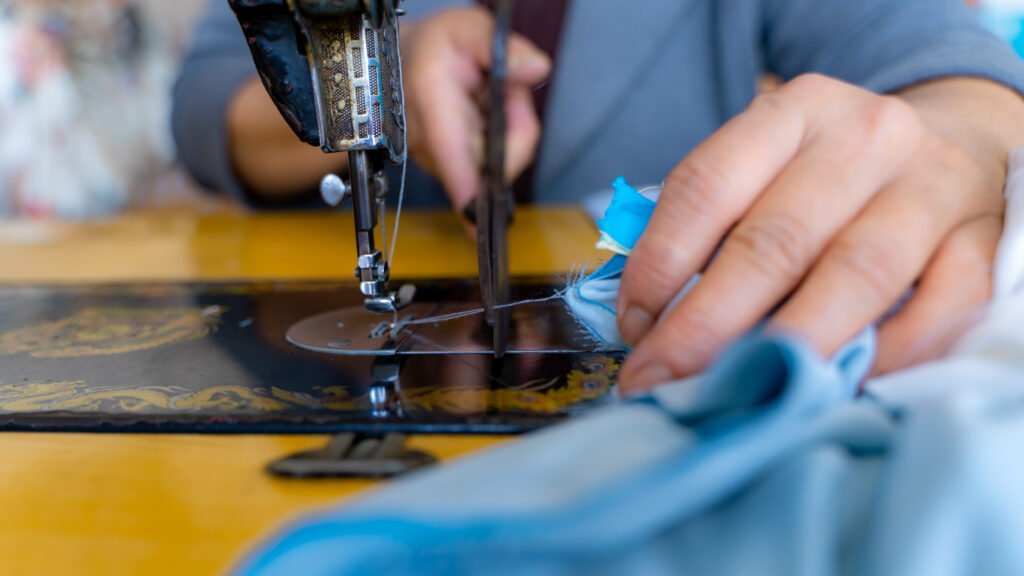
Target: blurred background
x=85 y=103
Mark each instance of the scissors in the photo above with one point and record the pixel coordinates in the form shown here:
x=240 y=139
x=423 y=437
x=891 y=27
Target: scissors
x=494 y=204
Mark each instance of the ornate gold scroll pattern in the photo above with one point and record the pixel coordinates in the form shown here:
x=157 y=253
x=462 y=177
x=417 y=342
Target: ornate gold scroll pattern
x=591 y=380
x=105 y=331
x=78 y=396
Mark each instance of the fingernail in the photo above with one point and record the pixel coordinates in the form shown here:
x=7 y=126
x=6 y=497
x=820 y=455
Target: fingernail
x=634 y=324
x=529 y=60
x=645 y=377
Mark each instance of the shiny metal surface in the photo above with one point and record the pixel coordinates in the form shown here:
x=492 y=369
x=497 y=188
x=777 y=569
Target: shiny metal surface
x=371 y=271
x=334 y=190
x=355 y=75
x=353 y=331
x=546 y=328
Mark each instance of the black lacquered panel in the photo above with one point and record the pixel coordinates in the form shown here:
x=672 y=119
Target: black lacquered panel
x=213 y=357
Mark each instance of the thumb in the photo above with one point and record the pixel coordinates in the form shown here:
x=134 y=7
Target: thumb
x=527 y=64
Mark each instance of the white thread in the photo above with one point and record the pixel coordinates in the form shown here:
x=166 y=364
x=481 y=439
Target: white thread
x=465 y=313
x=458 y=358
x=398 y=209
x=398 y=219
x=401 y=181
x=382 y=216
x=405 y=152
x=574 y=278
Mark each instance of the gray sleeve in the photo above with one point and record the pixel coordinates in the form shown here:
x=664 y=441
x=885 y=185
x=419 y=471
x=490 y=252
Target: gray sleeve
x=215 y=67
x=884 y=45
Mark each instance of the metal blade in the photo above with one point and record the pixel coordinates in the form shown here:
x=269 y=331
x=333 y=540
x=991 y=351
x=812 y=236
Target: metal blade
x=354 y=331
x=492 y=203
x=539 y=328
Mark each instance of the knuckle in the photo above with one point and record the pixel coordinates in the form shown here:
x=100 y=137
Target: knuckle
x=772 y=102
x=774 y=246
x=697 y=187
x=888 y=120
x=781 y=106
x=657 y=274
x=872 y=267
x=811 y=83
x=696 y=337
x=811 y=87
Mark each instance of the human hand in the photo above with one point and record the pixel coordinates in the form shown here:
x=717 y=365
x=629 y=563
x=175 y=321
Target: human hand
x=445 y=68
x=829 y=202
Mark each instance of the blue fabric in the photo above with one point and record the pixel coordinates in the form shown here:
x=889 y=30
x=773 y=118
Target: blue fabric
x=626 y=218
x=766 y=465
x=676 y=481
x=593 y=302
x=593 y=298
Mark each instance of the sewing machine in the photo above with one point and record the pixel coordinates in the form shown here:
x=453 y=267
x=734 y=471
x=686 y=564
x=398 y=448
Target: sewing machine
x=189 y=356
x=333 y=69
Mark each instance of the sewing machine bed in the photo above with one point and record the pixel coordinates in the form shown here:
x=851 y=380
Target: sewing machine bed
x=214 y=358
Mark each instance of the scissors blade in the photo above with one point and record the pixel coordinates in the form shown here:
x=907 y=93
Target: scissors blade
x=493 y=203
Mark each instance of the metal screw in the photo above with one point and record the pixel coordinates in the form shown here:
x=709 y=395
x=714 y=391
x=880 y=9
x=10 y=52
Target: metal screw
x=334 y=190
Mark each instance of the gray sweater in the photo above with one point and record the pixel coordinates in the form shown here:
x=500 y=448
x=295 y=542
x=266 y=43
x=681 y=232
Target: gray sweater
x=640 y=83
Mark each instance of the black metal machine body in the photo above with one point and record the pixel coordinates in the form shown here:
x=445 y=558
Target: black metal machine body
x=333 y=69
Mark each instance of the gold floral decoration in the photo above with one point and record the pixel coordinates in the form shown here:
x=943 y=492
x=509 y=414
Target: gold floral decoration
x=105 y=331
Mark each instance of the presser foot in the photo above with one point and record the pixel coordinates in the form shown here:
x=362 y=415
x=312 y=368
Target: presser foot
x=391 y=302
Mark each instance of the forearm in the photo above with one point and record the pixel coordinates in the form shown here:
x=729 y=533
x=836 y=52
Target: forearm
x=985 y=118
x=267 y=156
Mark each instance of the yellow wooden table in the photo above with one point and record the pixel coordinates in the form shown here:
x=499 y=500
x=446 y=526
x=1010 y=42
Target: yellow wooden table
x=190 y=504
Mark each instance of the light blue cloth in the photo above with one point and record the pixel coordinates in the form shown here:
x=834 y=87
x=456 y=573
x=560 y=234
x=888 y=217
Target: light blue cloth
x=593 y=300
x=765 y=466
x=760 y=467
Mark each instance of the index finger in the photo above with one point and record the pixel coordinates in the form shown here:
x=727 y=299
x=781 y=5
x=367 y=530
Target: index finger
x=706 y=194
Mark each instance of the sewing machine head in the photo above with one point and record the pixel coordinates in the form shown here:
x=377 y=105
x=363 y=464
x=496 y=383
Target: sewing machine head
x=333 y=69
